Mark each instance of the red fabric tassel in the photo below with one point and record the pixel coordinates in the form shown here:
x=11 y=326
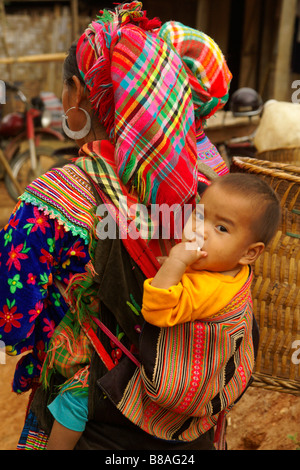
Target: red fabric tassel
x=145 y=23
x=219 y=439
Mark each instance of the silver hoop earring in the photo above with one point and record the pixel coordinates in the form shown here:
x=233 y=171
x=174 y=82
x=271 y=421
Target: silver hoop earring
x=76 y=135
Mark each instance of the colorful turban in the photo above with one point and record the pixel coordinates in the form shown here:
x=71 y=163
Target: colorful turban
x=208 y=74
x=149 y=85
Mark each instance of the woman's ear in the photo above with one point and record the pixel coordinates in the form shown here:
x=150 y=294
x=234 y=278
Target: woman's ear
x=78 y=90
x=253 y=252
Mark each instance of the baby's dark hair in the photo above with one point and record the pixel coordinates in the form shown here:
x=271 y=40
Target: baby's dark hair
x=266 y=205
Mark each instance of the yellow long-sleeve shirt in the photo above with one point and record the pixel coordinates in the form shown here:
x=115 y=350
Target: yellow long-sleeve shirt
x=199 y=295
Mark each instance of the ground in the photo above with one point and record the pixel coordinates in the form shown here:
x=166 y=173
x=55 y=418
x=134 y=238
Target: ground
x=262 y=420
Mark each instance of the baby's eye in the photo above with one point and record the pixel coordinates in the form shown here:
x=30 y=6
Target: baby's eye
x=221 y=228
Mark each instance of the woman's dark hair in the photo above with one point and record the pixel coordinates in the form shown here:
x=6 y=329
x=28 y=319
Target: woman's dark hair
x=70 y=66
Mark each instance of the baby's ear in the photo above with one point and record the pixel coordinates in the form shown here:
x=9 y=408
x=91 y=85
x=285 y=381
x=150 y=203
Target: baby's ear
x=253 y=252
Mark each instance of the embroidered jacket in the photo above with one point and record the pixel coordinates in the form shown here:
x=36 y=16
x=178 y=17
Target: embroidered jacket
x=41 y=243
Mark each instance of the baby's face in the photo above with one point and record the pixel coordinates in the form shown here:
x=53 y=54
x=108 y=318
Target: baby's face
x=225 y=233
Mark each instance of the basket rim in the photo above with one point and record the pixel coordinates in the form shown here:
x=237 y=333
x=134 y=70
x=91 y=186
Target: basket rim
x=273 y=169
x=279 y=149
x=279 y=384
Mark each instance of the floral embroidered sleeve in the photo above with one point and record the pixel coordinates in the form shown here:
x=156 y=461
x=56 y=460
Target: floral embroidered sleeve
x=34 y=250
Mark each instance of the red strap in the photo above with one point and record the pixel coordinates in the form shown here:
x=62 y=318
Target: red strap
x=102 y=353
x=116 y=341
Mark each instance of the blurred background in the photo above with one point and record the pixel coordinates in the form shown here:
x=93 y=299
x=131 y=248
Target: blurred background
x=259 y=38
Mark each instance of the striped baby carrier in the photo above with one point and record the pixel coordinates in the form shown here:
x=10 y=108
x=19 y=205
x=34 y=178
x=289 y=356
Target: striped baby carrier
x=190 y=374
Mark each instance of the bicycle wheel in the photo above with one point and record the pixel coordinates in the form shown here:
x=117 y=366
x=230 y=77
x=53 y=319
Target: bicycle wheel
x=22 y=171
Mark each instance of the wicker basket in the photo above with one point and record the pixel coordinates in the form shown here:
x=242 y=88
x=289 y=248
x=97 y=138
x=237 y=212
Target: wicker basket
x=283 y=155
x=276 y=292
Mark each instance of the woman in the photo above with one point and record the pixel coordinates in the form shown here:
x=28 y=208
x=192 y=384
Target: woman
x=135 y=97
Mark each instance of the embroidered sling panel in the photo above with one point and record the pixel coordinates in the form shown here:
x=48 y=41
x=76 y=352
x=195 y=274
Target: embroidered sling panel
x=189 y=374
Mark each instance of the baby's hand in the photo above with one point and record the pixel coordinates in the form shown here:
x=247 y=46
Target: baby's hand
x=174 y=266
x=187 y=253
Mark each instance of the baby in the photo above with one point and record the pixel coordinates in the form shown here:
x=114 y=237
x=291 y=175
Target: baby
x=241 y=215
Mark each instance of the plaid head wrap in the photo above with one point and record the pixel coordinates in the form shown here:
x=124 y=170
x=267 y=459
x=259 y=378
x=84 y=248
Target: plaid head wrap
x=148 y=97
x=208 y=74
